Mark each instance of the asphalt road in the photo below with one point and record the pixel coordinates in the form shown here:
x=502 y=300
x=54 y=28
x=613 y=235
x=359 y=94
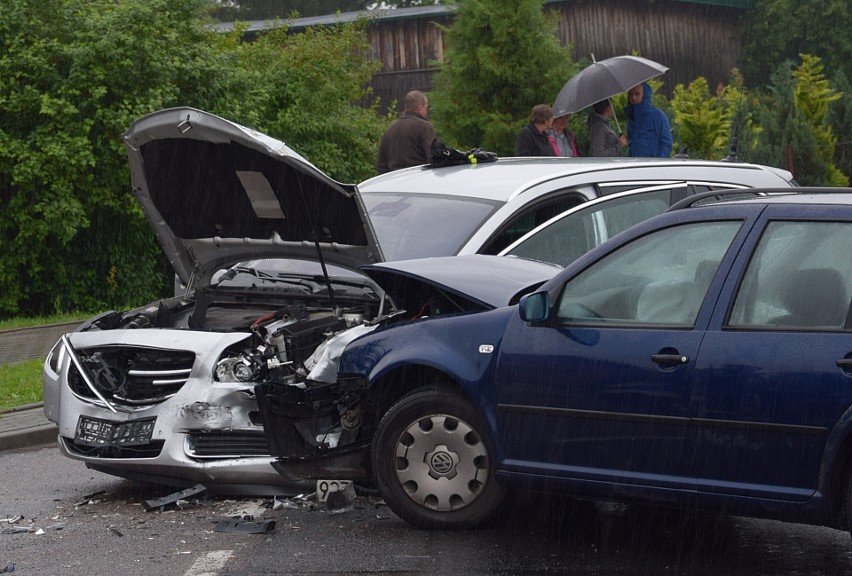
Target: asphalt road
x=57 y=517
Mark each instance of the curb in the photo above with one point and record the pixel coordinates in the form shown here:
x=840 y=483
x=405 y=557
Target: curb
x=26 y=427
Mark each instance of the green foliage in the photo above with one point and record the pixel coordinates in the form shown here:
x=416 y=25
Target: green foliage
x=779 y=30
x=74 y=76
x=813 y=96
x=790 y=129
x=501 y=59
x=312 y=91
x=702 y=121
x=840 y=118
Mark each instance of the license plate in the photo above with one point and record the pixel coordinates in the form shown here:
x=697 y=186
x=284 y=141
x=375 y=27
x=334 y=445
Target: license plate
x=325 y=487
x=96 y=432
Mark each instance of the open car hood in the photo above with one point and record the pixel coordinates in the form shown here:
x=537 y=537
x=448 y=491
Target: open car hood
x=217 y=193
x=487 y=281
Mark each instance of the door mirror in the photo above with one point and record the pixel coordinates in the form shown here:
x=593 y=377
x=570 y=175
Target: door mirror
x=534 y=307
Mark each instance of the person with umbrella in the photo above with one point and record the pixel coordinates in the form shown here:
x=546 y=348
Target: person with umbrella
x=605 y=78
x=603 y=140
x=648 y=131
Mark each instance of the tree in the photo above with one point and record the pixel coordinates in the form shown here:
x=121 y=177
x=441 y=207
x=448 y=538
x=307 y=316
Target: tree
x=704 y=123
x=840 y=118
x=790 y=125
x=779 y=30
x=312 y=91
x=73 y=77
x=501 y=59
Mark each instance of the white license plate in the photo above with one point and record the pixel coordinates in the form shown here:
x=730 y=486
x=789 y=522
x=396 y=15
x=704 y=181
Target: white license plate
x=325 y=487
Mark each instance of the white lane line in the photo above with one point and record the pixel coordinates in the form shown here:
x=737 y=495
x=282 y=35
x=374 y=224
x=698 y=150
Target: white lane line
x=210 y=564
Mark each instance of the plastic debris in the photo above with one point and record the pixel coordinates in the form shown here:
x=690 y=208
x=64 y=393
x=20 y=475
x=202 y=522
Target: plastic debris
x=343 y=500
x=90 y=498
x=18 y=529
x=159 y=503
x=7 y=569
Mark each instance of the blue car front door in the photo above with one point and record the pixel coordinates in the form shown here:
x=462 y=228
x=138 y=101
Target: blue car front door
x=602 y=390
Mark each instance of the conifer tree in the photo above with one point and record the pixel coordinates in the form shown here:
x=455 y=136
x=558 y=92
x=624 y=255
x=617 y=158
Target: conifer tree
x=501 y=59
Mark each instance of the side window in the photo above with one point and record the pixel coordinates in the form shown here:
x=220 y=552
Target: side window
x=565 y=239
x=660 y=278
x=528 y=218
x=798 y=277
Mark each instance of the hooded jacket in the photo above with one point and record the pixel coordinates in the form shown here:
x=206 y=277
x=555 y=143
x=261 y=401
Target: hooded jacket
x=648 y=131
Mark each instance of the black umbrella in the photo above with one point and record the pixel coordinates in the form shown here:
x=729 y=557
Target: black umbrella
x=602 y=80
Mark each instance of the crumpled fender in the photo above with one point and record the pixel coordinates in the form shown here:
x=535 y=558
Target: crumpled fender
x=465 y=347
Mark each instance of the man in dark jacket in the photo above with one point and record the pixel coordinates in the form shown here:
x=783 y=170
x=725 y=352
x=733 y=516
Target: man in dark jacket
x=532 y=140
x=408 y=139
x=648 y=130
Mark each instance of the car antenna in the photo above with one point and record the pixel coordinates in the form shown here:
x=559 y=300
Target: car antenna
x=732 y=153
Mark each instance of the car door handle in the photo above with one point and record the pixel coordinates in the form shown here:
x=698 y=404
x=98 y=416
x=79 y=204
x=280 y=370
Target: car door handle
x=845 y=363
x=669 y=359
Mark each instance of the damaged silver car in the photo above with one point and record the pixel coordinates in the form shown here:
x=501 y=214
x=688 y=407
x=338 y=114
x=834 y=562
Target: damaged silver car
x=268 y=248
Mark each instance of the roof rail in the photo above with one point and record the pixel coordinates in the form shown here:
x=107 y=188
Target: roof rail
x=726 y=194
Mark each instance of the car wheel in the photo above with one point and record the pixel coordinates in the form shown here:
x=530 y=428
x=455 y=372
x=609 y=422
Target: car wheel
x=432 y=461
x=847 y=505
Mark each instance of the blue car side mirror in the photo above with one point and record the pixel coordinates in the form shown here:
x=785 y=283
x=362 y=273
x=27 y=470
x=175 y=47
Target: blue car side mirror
x=534 y=307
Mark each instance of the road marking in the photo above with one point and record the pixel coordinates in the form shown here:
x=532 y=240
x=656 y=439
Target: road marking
x=210 y=564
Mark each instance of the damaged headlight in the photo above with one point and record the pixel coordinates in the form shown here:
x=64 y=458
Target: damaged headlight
x=237 y=369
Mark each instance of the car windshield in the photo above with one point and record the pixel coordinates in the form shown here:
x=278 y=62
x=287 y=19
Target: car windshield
x=420 y=225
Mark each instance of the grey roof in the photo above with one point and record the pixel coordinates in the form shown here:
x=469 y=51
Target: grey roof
x=379 y=15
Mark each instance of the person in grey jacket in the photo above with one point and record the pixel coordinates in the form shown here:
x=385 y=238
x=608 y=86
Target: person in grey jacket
x=408 y=139
x=603 y=140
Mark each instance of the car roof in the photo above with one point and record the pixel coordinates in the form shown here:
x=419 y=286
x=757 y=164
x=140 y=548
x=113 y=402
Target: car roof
x=824 y=196
x=508 y=177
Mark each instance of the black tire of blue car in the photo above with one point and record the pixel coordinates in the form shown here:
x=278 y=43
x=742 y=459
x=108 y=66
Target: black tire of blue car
x=432 y=461
x=847 y=506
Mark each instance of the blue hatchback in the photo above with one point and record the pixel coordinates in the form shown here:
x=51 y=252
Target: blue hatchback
x=702 y=359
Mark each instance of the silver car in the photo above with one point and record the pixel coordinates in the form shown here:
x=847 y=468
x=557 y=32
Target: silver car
x=484 y=208
x=270 y=249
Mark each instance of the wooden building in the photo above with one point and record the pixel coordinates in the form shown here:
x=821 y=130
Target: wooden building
x=692 y=37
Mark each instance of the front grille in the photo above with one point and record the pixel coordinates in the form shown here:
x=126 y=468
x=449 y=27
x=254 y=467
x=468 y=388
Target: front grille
x=150 y=450
x=131 y=376
x=227 y=444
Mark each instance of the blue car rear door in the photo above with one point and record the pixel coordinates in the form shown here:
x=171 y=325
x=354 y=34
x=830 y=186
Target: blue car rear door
x=774 y=373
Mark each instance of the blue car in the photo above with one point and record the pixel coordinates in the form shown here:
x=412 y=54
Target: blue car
x=701 y=359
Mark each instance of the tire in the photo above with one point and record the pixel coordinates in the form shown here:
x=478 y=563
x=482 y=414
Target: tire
x=433 y=461
x=847 y=506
